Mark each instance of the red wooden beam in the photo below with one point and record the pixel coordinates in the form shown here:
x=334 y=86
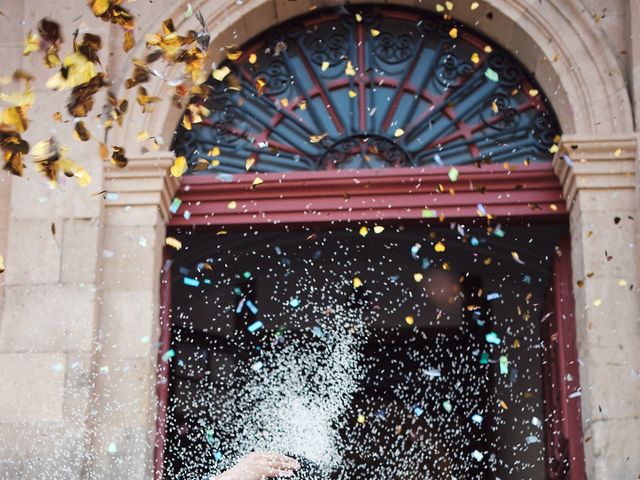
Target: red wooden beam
x=372 y=195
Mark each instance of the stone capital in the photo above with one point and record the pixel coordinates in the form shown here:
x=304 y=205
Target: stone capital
x=594 y=163
x=144 y=182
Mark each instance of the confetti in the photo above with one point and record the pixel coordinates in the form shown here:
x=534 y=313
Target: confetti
x=453 y=174
x=398 y=132
x=173 y=242
x=364 y=231
x=439 y=247
x=447 y=406
x=492 y=337
x=491 y=75
x=175 y=205
x=418 y=277
x=255 y=326
x=232 y=205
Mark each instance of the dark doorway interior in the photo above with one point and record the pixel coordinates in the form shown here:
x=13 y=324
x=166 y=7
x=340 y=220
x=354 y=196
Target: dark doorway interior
x=445 y=381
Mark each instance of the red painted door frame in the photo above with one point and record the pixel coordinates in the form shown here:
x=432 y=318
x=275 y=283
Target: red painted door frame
x=495 y=193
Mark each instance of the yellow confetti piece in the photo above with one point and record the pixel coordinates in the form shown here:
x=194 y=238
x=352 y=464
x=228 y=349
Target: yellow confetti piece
x=317 y=138
x=439 y=247
x=554 y=148
x=597 y=302
x=418 y=277
x=349 y=70
x=249 y=162
x=253 y=58
x=503 y=405
x=475 y=58
x=324 y=65
x=378 y=229
x=453 y=174
x=257 y=181
x=214 y=152
x=553 y=207
x=352 y=93
x=358 y=17
x=284 y=102
x=302 y=105
x=362 y=418
x=232 y=205
x=494 y=107
x=173 y=242
x=142 y=136
x=453 y=33
x=516 y=343
x=516 y=257
x=215 y=162
x=179 y=166
x=622 y=283
x=475 y=5
x=220 y=73
x=409 y=319
x=364 y=231
x=374 y=32
x=357 y=283
x=617 y=152
x=260 y=84
x=233 y=52
x=449 y=5
x=488 y=49
x=439 y=8
x=533 y=92
x=398 y=133
x=487 y=261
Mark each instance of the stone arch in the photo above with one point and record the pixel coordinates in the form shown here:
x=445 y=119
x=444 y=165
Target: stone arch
x=553 y=40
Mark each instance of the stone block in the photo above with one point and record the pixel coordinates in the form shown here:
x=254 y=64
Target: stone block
x=33 y=253
x=13 y=31
x=48 y=318
x=77 y=388
x=132 y=257
x=80 y=250
x=615 y=452
x=33 y=387
x=130 y=322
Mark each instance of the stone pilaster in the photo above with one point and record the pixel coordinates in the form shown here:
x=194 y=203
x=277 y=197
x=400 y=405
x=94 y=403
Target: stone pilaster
x=123 y=428
x=599 y=183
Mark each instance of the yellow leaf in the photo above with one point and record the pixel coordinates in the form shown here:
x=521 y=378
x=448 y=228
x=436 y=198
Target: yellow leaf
x=554 y=148
x=173 y=242
x=142 y=136
x=325 y=65
x=253 y=58
x=488 y=49
x=378 y=229
x=364 y=231
x=352 y=93
x=349 y=70
x=79 y=70
x=453 y=33
x=475 y=5
x=233 y=52
x=214 y=152
x=597 y=302
x=257 y=181
x=129 y=41
x=439 y=8
x=358 y=17
x=99 y=7
x=374 y=32
x=249 y=163
x=317 y=138
x=220 y=73
x=31 y=43
x=475 y=58
x=617 y=152
x=449 y=5
x=179 y=166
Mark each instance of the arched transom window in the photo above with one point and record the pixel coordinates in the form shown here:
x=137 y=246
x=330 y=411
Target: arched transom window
x=365 y=87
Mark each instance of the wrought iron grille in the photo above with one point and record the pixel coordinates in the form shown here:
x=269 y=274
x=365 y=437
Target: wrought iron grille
x=366 y=87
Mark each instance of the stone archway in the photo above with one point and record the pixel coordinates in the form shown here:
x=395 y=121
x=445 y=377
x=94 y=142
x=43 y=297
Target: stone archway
x=555 y=42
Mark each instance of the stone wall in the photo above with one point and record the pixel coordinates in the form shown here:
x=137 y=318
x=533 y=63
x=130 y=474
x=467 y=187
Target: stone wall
x=79 y=300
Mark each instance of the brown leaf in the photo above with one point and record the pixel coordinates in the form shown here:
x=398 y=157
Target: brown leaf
x=129 y=41
x=140 y=75
x=118 y=157
x=81 y=132
x=81 y=97
x=14 y=148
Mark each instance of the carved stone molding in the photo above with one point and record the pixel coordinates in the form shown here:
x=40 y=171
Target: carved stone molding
x=145 y=181
x=591 y=163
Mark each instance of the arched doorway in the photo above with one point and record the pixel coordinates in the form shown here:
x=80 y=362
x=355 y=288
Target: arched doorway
x=434 y=94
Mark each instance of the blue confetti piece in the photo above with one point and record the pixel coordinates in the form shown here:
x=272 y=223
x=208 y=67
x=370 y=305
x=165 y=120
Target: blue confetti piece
x=526 y=279
x=252 y=307
x=168 y=354
x=237 y=291
x=255 y=326
x=240 y=305
x=414 y=250
x=247 y=275
x=481 y=209
x=175 y=205
x=418 y=411
x=225 y=177
x=498 y=232
x=207 y=281
x=426 y=263
x=278 y=250
x=504 y=365
x=492 y=337
x=192 y=282
x=217 y=456
x=447 y=406
x=492 y=75
x=477 y=418
x=295 y=302
x=494 y=296
x=475 y=242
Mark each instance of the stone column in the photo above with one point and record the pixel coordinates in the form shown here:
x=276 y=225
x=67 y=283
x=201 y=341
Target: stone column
x=599 y=182
x=51 y=283
x=123 y=425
